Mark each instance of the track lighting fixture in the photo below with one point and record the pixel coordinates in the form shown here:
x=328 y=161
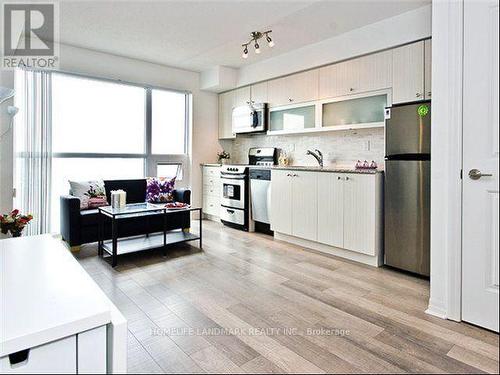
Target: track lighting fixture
x=255 y=36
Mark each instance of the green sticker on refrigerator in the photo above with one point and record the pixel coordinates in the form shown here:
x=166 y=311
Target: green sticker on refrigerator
x=423 y=110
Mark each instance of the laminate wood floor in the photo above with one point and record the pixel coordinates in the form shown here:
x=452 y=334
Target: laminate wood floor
x=250 y=304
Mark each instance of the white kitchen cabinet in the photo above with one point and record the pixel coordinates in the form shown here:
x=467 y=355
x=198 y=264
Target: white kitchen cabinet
x=337 y=213
x=212 y=190
x=296 y=88
x=361 y=210
x=367 y=73
x=337 y=80
x=331 y=209
x=428 y=68
x=408 y=73
x=281 y=201
x=374 y=72
x=225 y=115
x=241 y=96
x=258 y=93
x=305 y=204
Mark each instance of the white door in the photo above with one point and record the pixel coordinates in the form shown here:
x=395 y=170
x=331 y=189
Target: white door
x=408 y=73
x=480 y=156
x=360 y=213
x=305 y=205
x=281 y=201
x=331 y=209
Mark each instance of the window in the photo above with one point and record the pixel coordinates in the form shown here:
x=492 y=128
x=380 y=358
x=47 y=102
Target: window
x=168 y=122
x=91 y=116
x=169 y=171
x=110 y=130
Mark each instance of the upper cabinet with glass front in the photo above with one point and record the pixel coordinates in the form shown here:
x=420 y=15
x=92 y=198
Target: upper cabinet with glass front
x=356 y=111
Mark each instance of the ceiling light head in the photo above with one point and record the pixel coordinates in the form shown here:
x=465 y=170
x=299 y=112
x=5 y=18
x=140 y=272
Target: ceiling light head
x=257 y=48
x=270 y=42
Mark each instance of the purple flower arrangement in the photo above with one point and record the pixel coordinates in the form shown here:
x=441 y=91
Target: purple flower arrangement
x=159 y=190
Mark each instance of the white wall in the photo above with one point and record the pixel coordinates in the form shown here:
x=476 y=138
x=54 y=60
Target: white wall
x=83 y=61
x=391 y=32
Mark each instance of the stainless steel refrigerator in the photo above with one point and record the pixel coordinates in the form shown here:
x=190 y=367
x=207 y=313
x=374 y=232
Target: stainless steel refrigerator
x=407 y=187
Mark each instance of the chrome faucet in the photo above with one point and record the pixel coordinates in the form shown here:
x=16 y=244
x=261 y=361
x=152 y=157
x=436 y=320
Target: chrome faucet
x=317 y=155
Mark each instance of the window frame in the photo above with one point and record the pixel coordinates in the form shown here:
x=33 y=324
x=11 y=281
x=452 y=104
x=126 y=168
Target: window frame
x=150 y=160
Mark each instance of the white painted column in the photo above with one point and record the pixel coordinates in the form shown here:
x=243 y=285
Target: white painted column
x=446 y=160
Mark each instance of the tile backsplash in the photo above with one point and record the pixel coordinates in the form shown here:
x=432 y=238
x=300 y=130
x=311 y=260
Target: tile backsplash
x=339 y=148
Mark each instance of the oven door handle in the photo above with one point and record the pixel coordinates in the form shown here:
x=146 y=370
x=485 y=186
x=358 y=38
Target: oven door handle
x=231 y=177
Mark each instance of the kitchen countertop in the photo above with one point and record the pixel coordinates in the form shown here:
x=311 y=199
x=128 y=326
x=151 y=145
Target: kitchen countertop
x=322 y=169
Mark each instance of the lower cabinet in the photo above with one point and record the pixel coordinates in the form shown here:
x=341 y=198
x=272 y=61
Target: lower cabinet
x=350 y=212
x=84 y=353
x=342 y=210
x=294 y=203
x=331 y=209
x=281 y=201
x=212 y=190
x=305 y=205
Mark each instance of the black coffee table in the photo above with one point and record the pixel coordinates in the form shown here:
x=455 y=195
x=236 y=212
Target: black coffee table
x=119 y=246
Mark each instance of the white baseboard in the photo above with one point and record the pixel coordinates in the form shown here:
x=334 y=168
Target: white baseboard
x=436 y=309
x=211 y=218
x=374 y=261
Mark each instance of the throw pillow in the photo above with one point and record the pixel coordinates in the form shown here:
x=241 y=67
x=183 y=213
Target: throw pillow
x=90 y=193
x=159 y=189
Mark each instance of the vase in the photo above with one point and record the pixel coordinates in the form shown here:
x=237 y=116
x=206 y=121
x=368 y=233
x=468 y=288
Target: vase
x=16 y=233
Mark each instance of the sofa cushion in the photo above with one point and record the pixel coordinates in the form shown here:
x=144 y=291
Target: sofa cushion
x=135 y=189
x=90 y=193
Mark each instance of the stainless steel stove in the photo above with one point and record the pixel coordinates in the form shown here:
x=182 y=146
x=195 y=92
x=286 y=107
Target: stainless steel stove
x=235 y=200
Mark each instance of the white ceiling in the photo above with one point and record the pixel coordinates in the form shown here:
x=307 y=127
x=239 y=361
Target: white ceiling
x=197 y=35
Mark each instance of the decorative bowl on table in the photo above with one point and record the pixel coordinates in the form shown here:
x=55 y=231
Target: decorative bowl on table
x=176 y=205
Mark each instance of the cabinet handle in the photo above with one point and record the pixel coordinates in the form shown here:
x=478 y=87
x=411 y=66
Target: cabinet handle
x=418 y=95
x=351 y=89
x=288 y=175
x=19 y=357
x=339 y=178
x=347 y=178
x=290 y=99
x=429 y=94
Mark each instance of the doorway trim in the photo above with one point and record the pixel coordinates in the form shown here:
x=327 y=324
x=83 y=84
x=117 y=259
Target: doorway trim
x=446 y=162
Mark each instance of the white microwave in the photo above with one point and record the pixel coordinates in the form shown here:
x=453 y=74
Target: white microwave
x=250 y=118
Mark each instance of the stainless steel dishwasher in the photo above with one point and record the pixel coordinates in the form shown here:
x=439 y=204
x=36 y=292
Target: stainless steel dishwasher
x=260 y=195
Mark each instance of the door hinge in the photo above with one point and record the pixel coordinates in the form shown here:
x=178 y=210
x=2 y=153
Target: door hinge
x=461 y=174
